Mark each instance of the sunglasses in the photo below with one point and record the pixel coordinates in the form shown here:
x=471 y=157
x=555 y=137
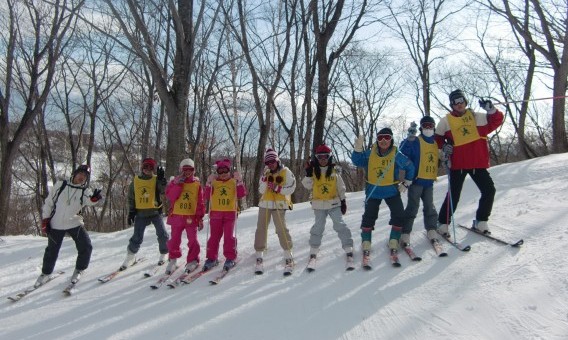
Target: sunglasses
x=222 y=171
x=323 y=156
x=459 y=100
x=427 y=125
x=187 y=168
x=381 y=138
x=270 y=162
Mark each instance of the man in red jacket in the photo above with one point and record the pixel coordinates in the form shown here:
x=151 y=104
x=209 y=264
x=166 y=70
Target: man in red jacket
x=462 y=137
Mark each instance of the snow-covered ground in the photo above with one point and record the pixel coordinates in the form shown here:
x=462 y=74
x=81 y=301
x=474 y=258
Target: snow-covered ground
x=492 y=292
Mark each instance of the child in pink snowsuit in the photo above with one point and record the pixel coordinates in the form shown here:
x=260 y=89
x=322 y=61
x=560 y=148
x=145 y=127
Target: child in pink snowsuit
x=223 y=191
x=186 y=213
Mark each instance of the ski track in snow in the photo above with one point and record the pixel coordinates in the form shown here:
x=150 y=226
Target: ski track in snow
x=492 y=292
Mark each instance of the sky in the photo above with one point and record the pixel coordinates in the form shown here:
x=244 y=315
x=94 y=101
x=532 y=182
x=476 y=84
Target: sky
x=492 y=292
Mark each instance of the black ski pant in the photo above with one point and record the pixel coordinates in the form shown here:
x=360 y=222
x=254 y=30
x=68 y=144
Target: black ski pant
x=484 y=183
x=55 y=239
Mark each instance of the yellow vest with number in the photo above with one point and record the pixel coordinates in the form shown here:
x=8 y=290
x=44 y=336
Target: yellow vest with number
x=464 y=128
x=145 y=193
x=186 y=204
x=224 y=196
x=325 y=188
x=428 y=167
x=280 y=179
x=381 y=168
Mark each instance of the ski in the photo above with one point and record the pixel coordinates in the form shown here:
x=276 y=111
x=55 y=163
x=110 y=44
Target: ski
x=491 y=237
x=19 y=295
x=394 y=258
x=223 y=273
x=152 y=271
x=193 y=277
x=311 y=264
x=164 y=278
x=438 y=248
x=456 y=245
x=183 y=278
x=112 y=275
x=408 y=250
x=366 y=260
x=70 y=289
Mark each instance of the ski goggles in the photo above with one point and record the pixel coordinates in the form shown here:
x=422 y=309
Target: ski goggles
x=384 y=137
x=222 y=171
x=322 y=156
x=459 y=100
x=187 y=168
x=427 y=125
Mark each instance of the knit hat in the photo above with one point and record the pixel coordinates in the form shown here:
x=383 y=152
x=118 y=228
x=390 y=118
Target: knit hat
x=271 y=155
x=149 y=161
x=455 y=95
x=223 y=163
x=186 y=162
x=385 y=131
x=323 y=149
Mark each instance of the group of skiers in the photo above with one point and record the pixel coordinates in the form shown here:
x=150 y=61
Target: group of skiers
x=459 y=141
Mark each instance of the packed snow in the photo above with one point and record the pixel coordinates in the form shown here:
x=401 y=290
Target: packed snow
x=492 y=292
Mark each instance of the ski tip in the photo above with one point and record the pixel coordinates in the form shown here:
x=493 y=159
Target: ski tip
x=417 y=259
x=443 y=255
x=310 y=270
x=518 y=243
x=213 y=283
x=287 y=274
x=396 y=264
x=367 y=267
x=349 y=269
x=258 y=272
x=466 y=248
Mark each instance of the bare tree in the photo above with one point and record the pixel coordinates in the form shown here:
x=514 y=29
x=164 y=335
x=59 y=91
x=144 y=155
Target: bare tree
x=544 y=26
x=32 y=69
x=325 y=17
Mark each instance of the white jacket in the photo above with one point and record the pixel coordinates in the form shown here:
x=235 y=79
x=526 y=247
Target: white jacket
x=68 y=207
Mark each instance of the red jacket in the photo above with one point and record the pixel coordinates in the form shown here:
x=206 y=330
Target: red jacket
x=474 y=155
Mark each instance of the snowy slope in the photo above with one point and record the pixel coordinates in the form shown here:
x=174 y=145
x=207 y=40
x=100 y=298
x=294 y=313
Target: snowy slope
x=492 y=292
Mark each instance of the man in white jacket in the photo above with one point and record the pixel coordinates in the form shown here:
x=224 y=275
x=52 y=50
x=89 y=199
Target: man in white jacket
x=62 y=215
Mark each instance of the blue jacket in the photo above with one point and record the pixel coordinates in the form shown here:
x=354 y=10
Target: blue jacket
x=361 y=160
x=411 y=148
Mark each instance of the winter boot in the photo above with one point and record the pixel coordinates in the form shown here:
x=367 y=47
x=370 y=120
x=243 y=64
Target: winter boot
x=405 y=240
x=288 y=266
x=366 y=259
x=393 y=244
x=130 y=257
x=228 y=265
x=209 y=264
x=76 y=276
x=259 y=266
x=443 y=230
x=191 y=266
x=349 y=261
x=171 y=266
x=432 y=235
x=162 y=259
x=481 y=226
x=41 y=280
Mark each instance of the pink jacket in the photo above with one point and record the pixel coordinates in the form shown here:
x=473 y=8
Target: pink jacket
x=173 y=190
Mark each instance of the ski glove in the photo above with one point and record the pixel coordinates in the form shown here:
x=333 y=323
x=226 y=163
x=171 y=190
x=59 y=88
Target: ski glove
x=343 y=207
x=403 y=186
x=274 y=187
x=358 y=146
x=309 y=169
x=131 y=216
x=96 y=196
x=448 y=149
x=487 y=105
x=45 y=226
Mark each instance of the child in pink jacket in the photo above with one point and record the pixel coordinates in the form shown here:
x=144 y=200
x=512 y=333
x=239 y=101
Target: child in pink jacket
x=223 y=191
x=186 y=213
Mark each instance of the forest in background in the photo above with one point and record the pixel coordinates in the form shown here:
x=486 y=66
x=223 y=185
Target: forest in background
x=110 y=82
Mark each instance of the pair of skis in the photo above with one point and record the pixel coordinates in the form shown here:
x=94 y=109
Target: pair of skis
x=68 y=290
x=110 y=276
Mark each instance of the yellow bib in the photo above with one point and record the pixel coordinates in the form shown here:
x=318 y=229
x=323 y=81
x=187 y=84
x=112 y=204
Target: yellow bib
x=381 y=168
x=145 y=193
x=325 y=188
x=186 y=204
x=224 y=195
x=428 y=167
x=464 y=128
x=280 y=179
